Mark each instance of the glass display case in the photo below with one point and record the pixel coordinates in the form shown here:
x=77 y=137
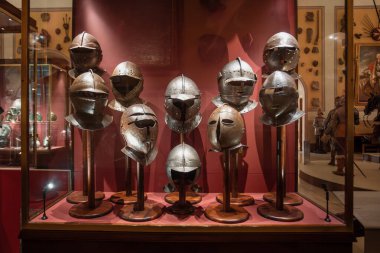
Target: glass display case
x=50 y=135
x=236 y=153
x=48 y=129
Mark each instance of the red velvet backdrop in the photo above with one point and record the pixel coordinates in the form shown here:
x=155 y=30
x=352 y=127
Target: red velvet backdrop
x=245 y=26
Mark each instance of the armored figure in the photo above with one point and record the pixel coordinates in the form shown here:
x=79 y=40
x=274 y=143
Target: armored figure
x=89 y=97
x=182 y=104
x=318 y=123
x=278 y=98
x=225 y=128
x=5 y=132
x=281 y=52
x=85 y=54
x=338 y=126
x=236 y=82
x=318 y=131
x=139 y=127
x=329 y=132
x=127 y=84
x=14 y=111
x=183 y=165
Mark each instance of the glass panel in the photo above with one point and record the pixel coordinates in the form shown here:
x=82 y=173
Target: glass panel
x=10 y=87
x=50 y=135
x=198 y=39
x=322 y=66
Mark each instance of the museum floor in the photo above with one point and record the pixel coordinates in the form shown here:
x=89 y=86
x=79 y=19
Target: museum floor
x=318 y=171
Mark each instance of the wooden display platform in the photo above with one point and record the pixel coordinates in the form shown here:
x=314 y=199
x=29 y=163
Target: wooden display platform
x=194 y=233
x=372 y=157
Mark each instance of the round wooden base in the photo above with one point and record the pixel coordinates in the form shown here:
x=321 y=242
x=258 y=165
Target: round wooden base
x=122 y=199
x=179 y=209
x=152 y=210
x=292 y=199
x=237 y=214
x=82 y=211
x=288 y=214
x=241 y=200
x=192 y=197
x=78 y=197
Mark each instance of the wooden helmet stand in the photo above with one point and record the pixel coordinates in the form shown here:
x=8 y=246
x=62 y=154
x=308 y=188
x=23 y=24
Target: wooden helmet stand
x=92 y=208
x=226 y=213
x=141 y=210
x=82 y=196
x=277 y=210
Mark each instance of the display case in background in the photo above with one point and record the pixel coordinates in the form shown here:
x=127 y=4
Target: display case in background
x=51 y=137
x=50 y=160
x=196 y=38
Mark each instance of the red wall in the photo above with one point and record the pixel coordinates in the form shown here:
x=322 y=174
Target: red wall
x=10 y=200
x=239 y=17
x=10 y=204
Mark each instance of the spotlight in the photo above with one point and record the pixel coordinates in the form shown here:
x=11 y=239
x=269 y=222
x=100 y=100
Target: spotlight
x=47 y=187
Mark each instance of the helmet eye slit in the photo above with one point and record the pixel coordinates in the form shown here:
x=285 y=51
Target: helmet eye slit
x=227 y=122
x=89 y=95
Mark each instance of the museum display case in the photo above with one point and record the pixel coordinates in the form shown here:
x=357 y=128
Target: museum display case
x=195 y=128
x=50 y=132
x=47 y=128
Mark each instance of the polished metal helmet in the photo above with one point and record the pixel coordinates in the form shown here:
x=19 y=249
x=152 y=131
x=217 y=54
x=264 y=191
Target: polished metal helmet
x=281 y=52
x=85 y=52
x=127 y=83
x=279 y=98
x=89 y=97
x=14 y=112
x=183 y=163
x=15 y=108
x=139 y=127
x=225 y=128
x=182 y=104
x=236 y=82
x=5 y=132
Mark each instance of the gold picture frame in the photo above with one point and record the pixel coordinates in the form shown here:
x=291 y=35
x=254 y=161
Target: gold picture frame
x=365 y=60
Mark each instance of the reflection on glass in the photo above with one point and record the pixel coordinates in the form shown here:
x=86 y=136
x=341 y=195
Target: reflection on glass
x=321 y=36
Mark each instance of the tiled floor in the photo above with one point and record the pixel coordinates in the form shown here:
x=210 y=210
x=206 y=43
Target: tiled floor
x=358 y=247
x=319 y=167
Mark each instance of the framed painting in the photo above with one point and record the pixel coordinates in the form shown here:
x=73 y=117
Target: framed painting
x=368 y=71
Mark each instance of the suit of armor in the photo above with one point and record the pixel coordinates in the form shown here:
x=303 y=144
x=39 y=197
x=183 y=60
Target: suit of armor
x=338 y=126
x=318 y=125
